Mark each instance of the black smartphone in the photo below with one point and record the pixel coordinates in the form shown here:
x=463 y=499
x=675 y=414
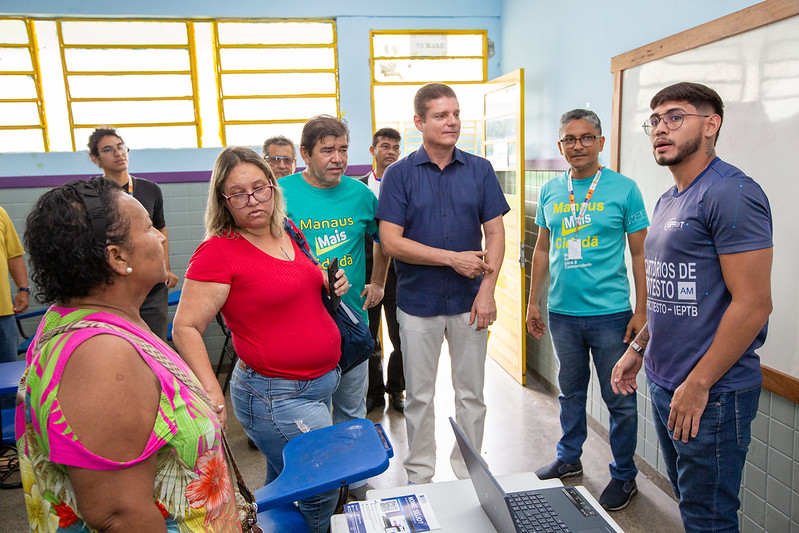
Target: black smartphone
x=332 y=269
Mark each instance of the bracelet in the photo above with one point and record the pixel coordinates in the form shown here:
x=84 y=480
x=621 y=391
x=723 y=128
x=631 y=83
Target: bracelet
x=638 y=348
x=23 y=289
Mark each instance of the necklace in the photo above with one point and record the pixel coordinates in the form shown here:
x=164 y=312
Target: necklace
x=285 y=253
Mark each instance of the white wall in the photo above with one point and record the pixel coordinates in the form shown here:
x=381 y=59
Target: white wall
x=566 y=48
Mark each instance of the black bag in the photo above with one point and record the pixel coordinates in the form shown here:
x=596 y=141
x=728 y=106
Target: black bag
x=356 y=339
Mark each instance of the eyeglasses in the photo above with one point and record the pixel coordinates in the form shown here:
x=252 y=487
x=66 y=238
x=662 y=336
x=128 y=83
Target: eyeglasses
x=276 y=159
x=240 y=200
x=586 y=140
x=113 y=149
x=672 y=119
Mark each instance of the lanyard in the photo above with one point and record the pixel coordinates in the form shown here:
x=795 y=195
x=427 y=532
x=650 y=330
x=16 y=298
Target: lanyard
x=575 y=217
x=129 y=187
x=374 y=174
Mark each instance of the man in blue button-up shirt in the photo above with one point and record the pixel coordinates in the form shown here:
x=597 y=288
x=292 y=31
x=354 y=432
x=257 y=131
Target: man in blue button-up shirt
x=436 y=205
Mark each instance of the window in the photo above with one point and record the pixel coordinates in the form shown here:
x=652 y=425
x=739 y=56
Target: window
x=132 y=74
x=403 y=61
x=273 y=76
x=23 y=125
x=164 y=83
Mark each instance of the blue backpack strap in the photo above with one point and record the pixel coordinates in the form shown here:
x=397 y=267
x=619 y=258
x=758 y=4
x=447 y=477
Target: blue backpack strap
x=299 y=239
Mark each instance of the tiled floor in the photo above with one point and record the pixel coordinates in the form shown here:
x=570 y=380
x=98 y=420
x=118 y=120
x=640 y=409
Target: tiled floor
x=521 y=431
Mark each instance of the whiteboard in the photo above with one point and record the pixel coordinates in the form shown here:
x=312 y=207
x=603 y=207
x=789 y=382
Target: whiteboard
x=757 y=75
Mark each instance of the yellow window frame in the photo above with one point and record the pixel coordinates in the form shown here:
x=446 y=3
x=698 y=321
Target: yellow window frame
x=221 y=98
x=36 y=75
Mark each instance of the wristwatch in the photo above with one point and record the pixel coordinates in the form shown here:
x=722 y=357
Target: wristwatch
x=638 y=348
x=23 y=289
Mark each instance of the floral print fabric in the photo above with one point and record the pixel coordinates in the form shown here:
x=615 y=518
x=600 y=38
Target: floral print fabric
x=192 y=489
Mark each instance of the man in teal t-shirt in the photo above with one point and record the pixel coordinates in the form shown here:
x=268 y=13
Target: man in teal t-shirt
x=583 y=218
x=335 y=213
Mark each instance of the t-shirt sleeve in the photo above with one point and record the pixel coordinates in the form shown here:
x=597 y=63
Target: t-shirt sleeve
x=540 y=216
x=207 y=263
x=159 y=221
x=635 y=218
x=738 y=214
x=495 y=203
x=393 y=199
x=10 y=237
x=371 y=226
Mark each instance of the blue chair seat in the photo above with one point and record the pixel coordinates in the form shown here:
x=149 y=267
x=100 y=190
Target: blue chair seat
x=318 y=461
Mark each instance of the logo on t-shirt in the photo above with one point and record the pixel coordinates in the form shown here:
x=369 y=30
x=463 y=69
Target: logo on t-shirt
x=674 y=225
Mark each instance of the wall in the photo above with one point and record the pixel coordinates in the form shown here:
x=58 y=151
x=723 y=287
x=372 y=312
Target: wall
x=565 y=69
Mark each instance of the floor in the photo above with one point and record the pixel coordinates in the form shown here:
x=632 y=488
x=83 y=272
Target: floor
x=521 y=431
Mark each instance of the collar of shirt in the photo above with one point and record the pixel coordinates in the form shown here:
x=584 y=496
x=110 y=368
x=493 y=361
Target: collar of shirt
x=420 y=157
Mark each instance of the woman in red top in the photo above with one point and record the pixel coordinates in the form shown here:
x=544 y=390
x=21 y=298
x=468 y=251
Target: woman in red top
x=269 y=294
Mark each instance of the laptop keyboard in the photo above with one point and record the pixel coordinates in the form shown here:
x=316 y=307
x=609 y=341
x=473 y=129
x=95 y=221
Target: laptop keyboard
x=532 y=513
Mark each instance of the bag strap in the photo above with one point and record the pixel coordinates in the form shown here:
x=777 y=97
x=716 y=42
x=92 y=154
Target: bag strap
x=146 y=346
x=299 y=239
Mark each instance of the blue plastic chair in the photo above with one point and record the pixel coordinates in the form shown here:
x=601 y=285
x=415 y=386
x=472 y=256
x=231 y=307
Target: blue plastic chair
x=318 y=461
x=173 y=299
x=23 y=346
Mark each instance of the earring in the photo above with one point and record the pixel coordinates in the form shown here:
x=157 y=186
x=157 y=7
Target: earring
x=128 y=270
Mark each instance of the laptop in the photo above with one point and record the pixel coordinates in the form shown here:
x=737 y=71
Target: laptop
x=550 y=509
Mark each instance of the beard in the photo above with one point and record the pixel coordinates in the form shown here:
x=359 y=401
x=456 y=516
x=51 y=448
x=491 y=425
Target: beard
x=684 y=151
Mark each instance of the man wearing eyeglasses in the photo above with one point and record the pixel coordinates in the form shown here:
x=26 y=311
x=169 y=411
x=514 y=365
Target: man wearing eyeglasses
x=584 y=216
x=281 y=155
x=708 y=268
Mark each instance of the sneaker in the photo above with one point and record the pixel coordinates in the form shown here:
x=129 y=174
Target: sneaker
x=559 y=469
x=618 y=494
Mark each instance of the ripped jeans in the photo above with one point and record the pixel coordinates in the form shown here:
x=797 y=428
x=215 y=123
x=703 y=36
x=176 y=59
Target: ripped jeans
x=273 y=411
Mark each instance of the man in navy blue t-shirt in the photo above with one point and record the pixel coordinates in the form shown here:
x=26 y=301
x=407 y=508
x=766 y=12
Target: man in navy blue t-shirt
x=435 y=206
x=708 y=268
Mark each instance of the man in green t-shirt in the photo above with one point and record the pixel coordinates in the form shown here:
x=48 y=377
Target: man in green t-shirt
x=335 y=213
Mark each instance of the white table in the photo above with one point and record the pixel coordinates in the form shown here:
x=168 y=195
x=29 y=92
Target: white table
x=456 y=505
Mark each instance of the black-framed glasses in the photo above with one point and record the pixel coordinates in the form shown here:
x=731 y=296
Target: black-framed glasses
x=113 y=149
x=672 y=119
x=276 y=159
x=240 y=200
x=586 y=140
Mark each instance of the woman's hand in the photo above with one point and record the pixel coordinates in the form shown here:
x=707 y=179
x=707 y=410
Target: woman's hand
x=342 y=285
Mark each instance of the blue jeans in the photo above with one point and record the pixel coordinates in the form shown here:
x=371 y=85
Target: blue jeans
x=573 y=337
x=273 y=411
x=705 y=473
x=349 y=400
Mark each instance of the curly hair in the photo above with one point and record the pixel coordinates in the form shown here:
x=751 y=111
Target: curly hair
x=67 y=259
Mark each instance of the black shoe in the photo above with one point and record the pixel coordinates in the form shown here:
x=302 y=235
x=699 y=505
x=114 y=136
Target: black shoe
x=374 y=403
x=559 y=469
x=618 y=494
x=397 y=401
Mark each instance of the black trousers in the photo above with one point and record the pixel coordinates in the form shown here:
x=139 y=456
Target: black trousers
x=395 y=381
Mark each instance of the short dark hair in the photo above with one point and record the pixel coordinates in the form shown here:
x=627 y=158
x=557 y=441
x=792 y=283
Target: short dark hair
x=279 y=140
x=67 y=260
x=388 y=133
x=580 y=114
x=321 y=126
x=431 y=91
x=702 y=97
x=97 y=135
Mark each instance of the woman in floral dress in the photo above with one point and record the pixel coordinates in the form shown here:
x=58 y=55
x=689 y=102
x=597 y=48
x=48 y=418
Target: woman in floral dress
x=111 y=433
